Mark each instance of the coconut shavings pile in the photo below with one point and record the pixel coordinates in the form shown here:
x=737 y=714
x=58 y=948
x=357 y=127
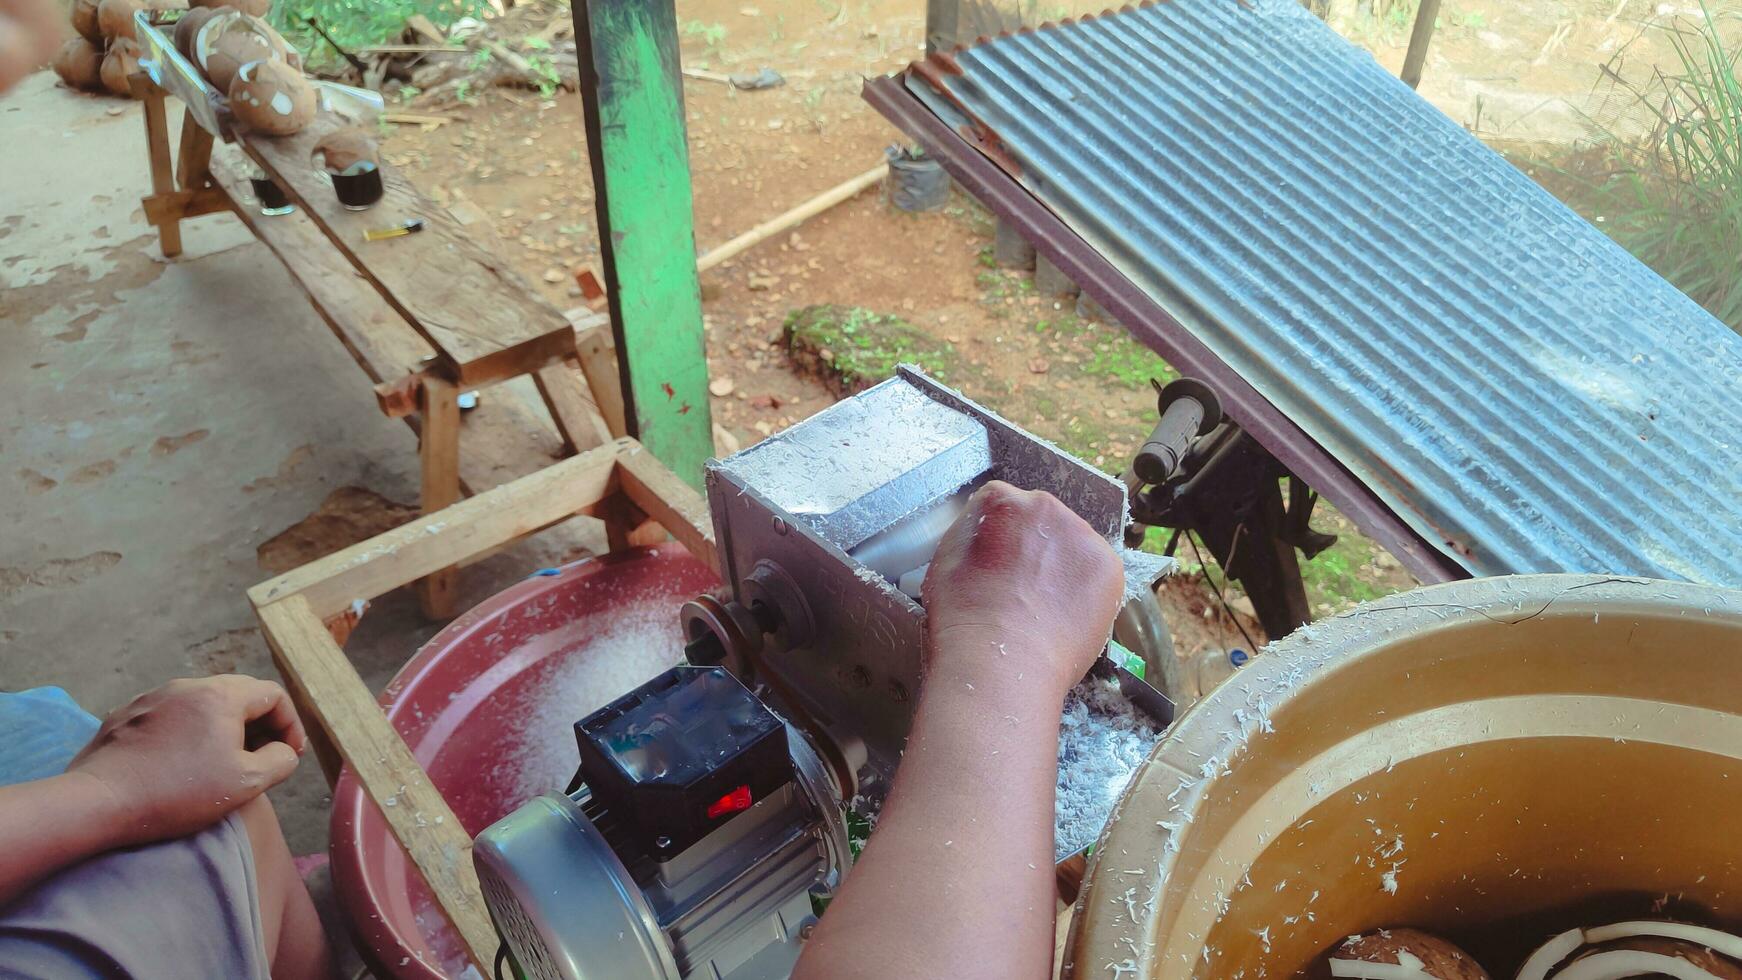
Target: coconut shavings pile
x=591 y=662
x=1103 y=739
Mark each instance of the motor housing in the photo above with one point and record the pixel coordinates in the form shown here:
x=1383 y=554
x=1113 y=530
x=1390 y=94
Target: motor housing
x=579 y=891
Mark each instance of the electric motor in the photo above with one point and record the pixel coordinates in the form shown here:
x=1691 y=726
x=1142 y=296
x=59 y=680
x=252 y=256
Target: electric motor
x=701 y=830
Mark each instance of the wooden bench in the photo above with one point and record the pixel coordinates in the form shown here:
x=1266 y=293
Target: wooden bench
x=427 y=316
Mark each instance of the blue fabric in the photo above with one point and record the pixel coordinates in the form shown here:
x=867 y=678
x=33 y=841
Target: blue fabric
x=40 y=731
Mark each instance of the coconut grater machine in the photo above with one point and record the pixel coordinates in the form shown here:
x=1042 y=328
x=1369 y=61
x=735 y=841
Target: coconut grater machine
x=709 y=819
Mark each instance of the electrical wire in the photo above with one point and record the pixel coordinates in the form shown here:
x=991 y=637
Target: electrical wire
x=1192 y=540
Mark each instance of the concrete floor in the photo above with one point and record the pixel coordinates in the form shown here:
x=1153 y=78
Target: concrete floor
x=159 y=420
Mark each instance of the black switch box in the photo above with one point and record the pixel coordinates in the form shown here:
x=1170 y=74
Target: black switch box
x=672 y=759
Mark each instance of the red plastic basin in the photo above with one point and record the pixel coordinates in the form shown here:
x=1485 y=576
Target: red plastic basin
x=488 y=708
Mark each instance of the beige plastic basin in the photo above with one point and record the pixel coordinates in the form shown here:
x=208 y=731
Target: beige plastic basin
x=1491 y=761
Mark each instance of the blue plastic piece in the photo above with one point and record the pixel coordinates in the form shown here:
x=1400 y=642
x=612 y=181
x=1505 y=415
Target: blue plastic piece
x=40 y=731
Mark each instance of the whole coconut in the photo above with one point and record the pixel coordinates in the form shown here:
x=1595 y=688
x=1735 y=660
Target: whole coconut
x=85 y=21
x=115 y=18
x=1718 y=966
x=232 y=51
x=119 y=64
x=225 y=22
x=189 y=25
x=271 y=97
x=79 y=64
x=1411 y=947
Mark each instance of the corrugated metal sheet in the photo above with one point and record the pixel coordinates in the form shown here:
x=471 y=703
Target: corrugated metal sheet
x=1517 y=388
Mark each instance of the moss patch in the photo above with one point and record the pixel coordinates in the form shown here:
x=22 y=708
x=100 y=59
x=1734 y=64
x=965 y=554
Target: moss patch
x=851 y=348
x=1102 y=352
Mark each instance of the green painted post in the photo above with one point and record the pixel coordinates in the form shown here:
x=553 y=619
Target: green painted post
x=632 y=87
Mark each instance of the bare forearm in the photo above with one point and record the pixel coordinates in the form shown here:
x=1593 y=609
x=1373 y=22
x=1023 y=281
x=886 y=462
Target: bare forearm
x=958 y=879
x=51 y=824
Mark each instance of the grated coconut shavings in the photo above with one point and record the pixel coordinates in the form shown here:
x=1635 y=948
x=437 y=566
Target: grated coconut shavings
x=1103 y=739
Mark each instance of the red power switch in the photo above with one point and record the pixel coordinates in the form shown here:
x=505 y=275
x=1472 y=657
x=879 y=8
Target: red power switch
x=736 y=801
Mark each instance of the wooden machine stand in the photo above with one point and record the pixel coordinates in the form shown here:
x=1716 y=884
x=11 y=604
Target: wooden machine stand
x=306 y=615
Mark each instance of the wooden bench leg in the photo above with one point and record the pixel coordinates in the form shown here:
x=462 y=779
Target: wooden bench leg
x=193 y=162
x=162 y=168
x=439 y=452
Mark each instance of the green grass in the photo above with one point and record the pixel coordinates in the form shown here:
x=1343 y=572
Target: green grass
x=999 y=286
x=1674 y=197
x=1333 y=577
x=861 y=347
x=359 y=23
x=1104 y=353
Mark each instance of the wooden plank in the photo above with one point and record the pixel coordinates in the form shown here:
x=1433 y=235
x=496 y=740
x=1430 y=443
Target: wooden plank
x=411 y=551
x=379 y=339
x=180 y=205
x=497 y=443
x=485 y=323
x=162 y=172
x=193 y=161
x=676 y=505
x=572 y=407
x=577 y=417
x=338 y=704
x=792 y=217
x=633 y=98
x=1427 y=13
x=598 y=359
x=439 y=459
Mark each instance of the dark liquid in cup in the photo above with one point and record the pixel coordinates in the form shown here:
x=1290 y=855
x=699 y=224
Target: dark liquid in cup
x=358 y=191
x=272 y=199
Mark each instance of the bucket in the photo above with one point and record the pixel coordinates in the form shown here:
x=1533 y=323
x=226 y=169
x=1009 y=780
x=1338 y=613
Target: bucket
x=916 y=181
x=487 y=708
x=1491 y=761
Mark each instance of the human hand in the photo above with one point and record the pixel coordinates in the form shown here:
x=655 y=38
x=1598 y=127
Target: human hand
x=1020 y=586
x=181 y=757
x=29 y=32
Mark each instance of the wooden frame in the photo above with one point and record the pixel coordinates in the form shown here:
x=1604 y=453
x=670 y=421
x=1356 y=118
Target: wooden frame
x=307 y=613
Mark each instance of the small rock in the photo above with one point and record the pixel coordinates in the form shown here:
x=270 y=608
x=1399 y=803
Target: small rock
x=769 y=402
x=553 y=275
x=1039 y=366
x=763 y=426
x=761 y=283
x=721 y=387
